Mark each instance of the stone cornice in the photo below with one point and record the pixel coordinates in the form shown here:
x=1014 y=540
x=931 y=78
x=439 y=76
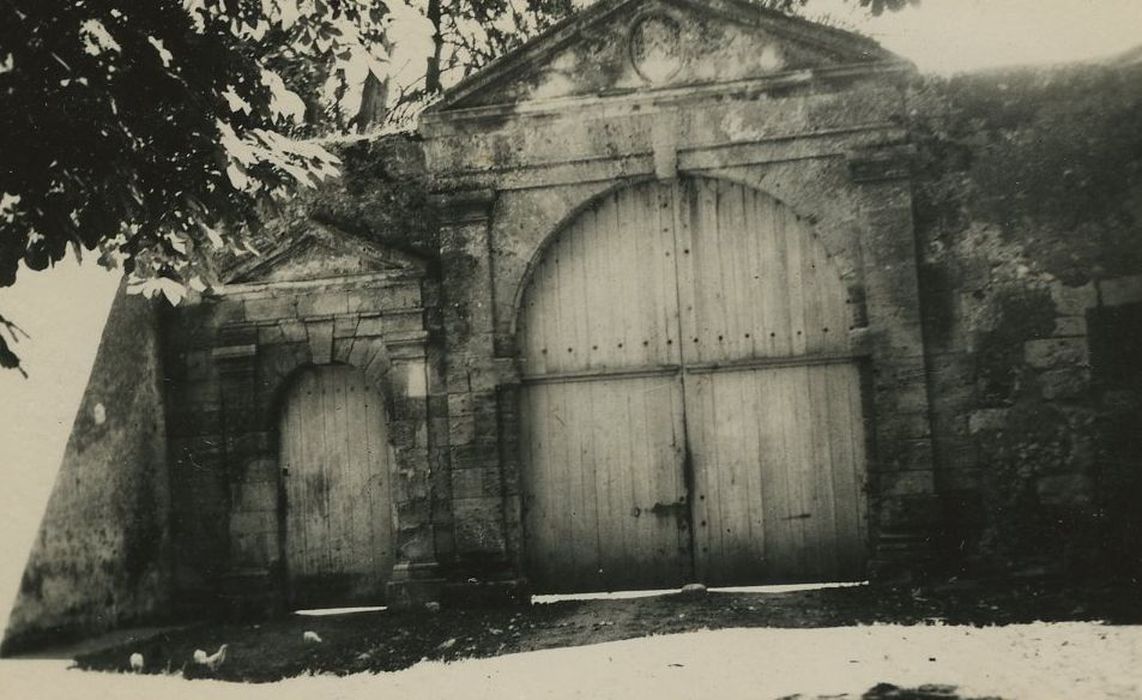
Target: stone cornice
x=831 y=143
x=648 y=100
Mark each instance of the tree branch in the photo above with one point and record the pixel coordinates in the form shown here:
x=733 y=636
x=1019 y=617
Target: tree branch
x=9 y=359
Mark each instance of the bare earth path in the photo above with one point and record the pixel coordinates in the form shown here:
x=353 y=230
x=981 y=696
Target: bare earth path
x=394 y=640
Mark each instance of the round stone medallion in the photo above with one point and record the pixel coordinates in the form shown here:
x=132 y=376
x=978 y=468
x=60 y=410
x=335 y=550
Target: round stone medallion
x=655 y=47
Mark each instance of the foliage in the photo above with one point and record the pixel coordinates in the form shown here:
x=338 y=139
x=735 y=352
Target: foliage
x=879 y=6
x=157 y=133
x=160 y=133
x=474 y=32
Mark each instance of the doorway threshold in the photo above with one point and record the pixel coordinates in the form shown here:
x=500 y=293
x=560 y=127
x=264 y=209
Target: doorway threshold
x=325 y=612
x=620 y=595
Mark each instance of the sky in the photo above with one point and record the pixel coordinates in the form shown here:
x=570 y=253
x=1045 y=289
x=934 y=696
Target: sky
x=954 y=36
x=63 y=310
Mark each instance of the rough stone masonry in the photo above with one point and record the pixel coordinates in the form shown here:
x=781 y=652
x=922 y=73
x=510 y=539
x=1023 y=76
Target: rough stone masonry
x=987 y=230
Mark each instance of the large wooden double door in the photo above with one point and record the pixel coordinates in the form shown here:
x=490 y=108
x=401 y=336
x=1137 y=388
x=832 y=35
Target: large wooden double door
x=691 y=409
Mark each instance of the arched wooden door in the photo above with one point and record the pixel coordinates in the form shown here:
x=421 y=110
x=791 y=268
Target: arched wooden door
x=691 y=408
x=335 y=461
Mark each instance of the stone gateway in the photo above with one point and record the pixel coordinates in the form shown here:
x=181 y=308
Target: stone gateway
x=681 y=291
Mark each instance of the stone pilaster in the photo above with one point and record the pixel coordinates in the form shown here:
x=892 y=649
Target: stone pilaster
x=904 y=509
x=472 y=380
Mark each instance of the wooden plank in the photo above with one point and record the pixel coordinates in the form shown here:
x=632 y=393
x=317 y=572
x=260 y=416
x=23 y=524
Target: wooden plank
x=349 y=479
x=685 y=211
x=334 y=478
x=740 y=290
x=752 y=338
x=709 y=290
x=781 y=333
x=289 y=456
x=363 y=502
x=299 y=503
x=795 y=276
x=721 y=436
x=310 y=470
x=823 y=501
x=639 y=470
x=622 y=497
x=670 y=349
x=625 y=233
x=811 y=290
x=736 y=440
x=645 y=278
x=556 y=462
x=771 y=303
x=581 y=295
x=755 y=494
x=705 y=496
x=582 y=532
x=661 y=401
x=324 y=434
x=854 y=469
x=610 y=518
x=772 y=476
x=781 y=507
x=672 y=482
x=313 y=475
x=739 y=533
x=668 y=485
x=591 y=534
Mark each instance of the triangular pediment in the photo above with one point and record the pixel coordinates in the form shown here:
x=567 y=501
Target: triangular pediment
x=623 y=46
x=321 y=252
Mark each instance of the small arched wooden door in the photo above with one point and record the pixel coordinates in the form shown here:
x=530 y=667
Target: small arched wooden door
x=691 y=408
x=336 y=469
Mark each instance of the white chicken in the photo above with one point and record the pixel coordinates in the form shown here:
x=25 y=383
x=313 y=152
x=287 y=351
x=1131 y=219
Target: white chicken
x=213 y=661
x=137 y=662
x=311 y=636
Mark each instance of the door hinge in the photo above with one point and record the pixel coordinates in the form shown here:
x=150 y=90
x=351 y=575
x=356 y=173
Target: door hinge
x=680 y=509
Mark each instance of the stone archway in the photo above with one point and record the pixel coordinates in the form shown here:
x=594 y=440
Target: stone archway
x=691 y=405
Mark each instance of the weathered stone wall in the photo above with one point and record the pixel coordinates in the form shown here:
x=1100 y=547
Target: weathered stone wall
x=1029 y=226
x=102 y=556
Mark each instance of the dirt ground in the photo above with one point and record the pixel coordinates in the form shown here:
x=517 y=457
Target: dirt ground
x=393 y=640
